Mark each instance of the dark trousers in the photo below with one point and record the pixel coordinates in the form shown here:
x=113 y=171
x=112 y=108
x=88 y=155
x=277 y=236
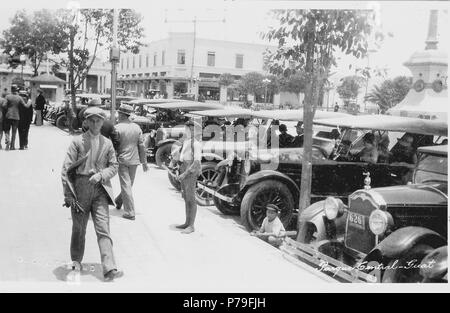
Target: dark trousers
x=188 y=190
x=24 y=129
x=94 y=201
x=10 y=125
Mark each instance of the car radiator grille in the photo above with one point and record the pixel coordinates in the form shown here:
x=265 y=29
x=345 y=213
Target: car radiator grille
x=358 y=236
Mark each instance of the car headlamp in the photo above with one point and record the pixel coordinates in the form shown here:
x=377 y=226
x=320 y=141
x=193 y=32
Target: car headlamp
x=333 y=207
x=152 y=133
x=378 y=222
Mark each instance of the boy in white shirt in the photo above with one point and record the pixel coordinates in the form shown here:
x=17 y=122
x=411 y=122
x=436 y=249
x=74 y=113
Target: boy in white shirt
x=272 y=229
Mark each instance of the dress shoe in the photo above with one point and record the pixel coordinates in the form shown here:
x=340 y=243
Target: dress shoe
x=113 y=274
x=129 y=217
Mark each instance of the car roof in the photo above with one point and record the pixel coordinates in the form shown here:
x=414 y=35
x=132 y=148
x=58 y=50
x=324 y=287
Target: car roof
x=296 y=115
x=227 y=112
x=187 y=106
x=389 y=123
x=152 y=101
x=284 y=115
x=92 y=95
x=441 y=149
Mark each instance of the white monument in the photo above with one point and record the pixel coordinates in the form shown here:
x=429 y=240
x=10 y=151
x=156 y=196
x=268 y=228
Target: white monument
x=428 y=97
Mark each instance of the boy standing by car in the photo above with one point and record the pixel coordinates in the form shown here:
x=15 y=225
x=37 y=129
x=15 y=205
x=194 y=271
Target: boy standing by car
x=272 y=229
x=190 y=158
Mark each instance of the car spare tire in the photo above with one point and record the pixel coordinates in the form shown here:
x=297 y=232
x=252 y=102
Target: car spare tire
x=253 y=206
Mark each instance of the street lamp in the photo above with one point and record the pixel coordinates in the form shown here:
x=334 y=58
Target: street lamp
x=266 y=82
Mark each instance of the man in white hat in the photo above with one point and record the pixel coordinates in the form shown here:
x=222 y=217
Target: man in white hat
x=89 y=165
x=130 y=153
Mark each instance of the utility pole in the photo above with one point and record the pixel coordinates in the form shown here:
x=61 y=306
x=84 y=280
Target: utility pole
x=194 y=21
x=114 y=59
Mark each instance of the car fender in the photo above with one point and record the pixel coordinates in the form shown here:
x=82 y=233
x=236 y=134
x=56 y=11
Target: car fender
x=269 y=174
x=402 y=240
x=315 y=215
x=165 y=141
x=434 y=264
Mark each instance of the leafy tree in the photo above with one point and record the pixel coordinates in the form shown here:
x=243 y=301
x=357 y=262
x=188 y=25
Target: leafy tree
x=90 y=29
x=307 y=41
x=34 y=35
x=390 y=92
x=251 y=83
x=349 y=88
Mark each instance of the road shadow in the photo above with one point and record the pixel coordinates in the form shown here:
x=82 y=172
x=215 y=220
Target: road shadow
x=62 y=273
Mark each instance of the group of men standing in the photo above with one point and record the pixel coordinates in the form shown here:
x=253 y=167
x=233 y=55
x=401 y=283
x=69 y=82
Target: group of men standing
x=96 y=156
x=16 y=115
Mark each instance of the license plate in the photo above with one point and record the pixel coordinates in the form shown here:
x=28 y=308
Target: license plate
x=356 y=220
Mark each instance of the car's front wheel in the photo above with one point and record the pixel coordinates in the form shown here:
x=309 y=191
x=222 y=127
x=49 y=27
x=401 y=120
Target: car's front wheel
x=258 y=196
x=63 y=123
x=207 y=177
x=224 y=206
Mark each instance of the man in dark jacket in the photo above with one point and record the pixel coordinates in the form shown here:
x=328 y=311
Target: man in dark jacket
x=26 y=116
x=13 y=102
x=40 y=105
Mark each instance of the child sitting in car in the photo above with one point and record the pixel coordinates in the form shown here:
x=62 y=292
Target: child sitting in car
x=272 y=229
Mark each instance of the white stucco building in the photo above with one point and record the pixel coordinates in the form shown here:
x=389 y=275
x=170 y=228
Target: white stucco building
x=185 y=64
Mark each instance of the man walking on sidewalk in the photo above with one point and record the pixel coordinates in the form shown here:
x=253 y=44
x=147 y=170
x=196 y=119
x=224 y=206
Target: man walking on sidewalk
x=190 y=156
x=11 y=123
x=89 y=165
x=130 y=153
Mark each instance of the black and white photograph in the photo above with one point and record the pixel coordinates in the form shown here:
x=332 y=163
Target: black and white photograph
x=223 y=146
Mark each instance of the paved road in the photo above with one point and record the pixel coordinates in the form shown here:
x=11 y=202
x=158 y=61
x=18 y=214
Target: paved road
x=35 y=235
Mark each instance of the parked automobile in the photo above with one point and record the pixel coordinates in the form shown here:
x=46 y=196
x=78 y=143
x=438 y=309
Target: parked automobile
x=333 y=172
x=390 y=234
x=170 y=117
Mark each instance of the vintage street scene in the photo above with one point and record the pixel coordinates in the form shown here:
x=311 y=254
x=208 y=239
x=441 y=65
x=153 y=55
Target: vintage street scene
x=223 y=146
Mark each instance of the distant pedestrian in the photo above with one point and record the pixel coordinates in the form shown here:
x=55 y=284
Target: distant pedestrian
x=190 y=158
x=2 y=118
x=26 y=116
x=11 y=124
x=89 y=165
x=39 y=107
x=336 y=107
x=130 y=153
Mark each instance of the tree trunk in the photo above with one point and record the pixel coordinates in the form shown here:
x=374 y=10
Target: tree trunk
x=72 y=107
x=308 y=115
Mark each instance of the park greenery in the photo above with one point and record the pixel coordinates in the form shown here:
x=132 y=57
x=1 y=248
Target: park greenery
x=390 y=92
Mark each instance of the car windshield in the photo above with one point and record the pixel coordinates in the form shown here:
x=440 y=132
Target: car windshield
x=431 y=169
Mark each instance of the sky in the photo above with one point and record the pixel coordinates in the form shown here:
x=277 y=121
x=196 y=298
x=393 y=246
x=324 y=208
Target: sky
x=244 y=20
